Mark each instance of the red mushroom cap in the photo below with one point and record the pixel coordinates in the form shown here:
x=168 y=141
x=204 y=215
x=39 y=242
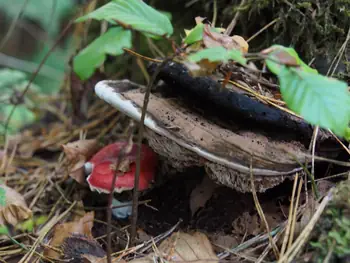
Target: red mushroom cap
x=102 y=173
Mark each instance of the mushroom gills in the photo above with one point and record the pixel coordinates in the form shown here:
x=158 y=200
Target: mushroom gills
x=185 y=138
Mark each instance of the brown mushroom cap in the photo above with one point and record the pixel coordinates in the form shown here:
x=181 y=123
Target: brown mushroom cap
x=186 y=138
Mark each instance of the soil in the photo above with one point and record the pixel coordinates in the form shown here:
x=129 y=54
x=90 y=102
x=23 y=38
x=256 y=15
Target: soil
x=172 y=200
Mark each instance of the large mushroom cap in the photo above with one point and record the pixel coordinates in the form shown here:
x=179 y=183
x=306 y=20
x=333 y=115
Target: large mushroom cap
x=187 y=138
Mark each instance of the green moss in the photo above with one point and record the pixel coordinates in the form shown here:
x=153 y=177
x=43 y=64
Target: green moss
x=311 y=27
x=332 y=235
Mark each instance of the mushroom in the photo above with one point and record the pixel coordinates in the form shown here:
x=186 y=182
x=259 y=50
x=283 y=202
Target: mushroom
x=101 y=169
x=185 y=137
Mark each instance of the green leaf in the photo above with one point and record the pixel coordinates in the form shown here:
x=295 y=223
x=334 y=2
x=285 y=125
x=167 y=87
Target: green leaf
x=281 y=56
x=218 y=54
x=10 y=77
x=196 y=34
x=135 y=14
x=22 y=116
x=47 y=13
x=3 y=230
x=237 y=55
x=93 y=56
x=319 y=100
x=2 y=196
x=212 y=54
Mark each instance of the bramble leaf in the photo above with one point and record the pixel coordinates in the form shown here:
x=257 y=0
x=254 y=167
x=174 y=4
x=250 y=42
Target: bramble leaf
x=281 y=56
x=319 y=100
x=135 y=14
x=195 y=34
x=218 y=54
x=93 y=56
x=236 y=55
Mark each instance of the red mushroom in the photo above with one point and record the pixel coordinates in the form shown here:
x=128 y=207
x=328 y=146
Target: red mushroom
x=102 y=170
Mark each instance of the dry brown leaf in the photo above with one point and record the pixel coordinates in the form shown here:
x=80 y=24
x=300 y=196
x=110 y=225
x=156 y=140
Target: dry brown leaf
x=143 y=236
x=199 y=19
x=15 y=208
x=78 y=153
x=221 y=241
x=94 y=259
x=251 y=224
x=214 y=39
x=83 y=249
x=183 y=247
x=324 y=186
x=81 y=226
x=201 y=194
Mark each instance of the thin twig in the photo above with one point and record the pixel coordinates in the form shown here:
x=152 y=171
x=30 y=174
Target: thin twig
x=300 y=241
x=316 y=129
x=290 y=216
x=339 y=55
x=13 y=25
x=138 y=158
x=141 y=56
x=121 y=155
x=20 y=98
x=215 y=13
x=291 y=237
x=260 y=211
x=233 y=23
x=263 y=29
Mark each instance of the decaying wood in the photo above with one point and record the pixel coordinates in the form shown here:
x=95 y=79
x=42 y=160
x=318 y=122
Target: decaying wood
x=185 y=138
x=234 y=110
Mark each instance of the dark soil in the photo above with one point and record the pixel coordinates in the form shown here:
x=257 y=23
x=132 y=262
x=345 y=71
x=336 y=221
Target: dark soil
x=173 y=203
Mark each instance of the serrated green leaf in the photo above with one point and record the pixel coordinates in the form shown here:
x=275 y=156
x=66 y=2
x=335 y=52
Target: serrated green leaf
x=218 y=54
x=319 y=100
x=135 y=14
x=212 y=54
x=195 y=34
x=281 y=56
x=93 y=56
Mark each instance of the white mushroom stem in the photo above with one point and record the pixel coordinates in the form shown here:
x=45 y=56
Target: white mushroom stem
x=121 y=212
x=88 y=168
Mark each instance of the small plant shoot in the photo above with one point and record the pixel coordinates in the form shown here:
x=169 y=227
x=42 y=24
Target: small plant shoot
x=320 y=100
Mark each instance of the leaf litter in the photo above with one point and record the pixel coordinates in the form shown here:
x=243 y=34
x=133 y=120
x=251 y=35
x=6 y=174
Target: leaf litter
x=48 y=182
x=45 y=173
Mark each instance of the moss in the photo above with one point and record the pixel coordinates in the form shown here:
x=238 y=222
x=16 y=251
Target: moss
x=311 y=27
x=332 y=234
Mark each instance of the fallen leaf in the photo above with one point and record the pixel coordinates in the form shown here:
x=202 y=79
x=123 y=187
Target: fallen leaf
x=93 y=259
x=324 y=186
x=13 y=207
x=183 y=247
x=201 y=194
x=143 y=236
x=83 y=249
x=62 y=231
x=251 y=224
x=215 y=39
x=245 y=224
x=77 y=154
x=222 y=242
